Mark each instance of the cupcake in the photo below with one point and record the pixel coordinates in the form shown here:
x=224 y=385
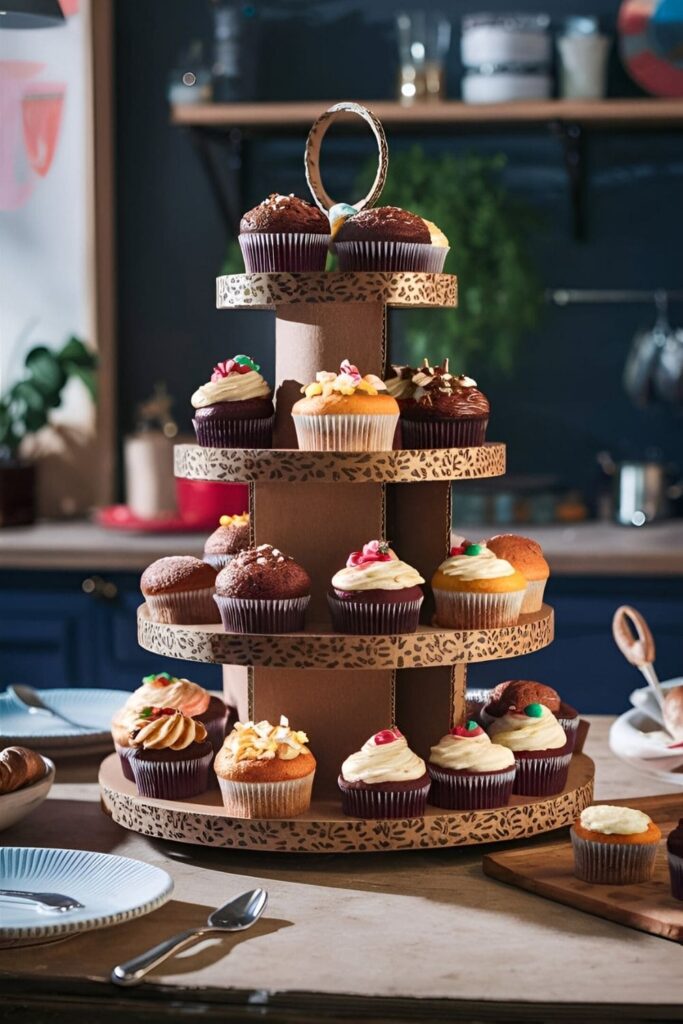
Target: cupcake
x=384 y=779
x=171 y=755
x=235 y=408
x=231 y=537
x=179 y=589
x=448 y=411
x=163 y=690
x=400 y=385
x=516 y=694
x=674 y=852
x=375 y=593
x=345 y=412
x=475 y=590
x=527 y=557
x=540 y=746
x=265 y=771
x=614 y=845
x=284 y=233
x=390 y=239
x=263 y=590
x=469 y=772
x=124 y=723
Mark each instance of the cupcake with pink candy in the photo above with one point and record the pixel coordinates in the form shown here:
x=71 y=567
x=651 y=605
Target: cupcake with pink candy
x=469 y=772
x=375 y=593
x=234 y=409
x=384 y=779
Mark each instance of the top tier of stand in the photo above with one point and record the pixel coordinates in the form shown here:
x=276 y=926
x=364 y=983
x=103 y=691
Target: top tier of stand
x=268 y=291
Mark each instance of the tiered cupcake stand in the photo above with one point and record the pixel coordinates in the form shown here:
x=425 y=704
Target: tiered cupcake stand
x=318 y=506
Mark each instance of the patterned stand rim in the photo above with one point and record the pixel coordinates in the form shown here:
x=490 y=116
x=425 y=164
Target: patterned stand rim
x=316 y=648
x=266 y=291
x=289 y=465
x=324 y=829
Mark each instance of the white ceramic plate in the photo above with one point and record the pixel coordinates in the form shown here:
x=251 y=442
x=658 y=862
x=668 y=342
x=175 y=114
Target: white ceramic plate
x=15 y=806
x=112 y=890
x=94 y=709
x=636 y=738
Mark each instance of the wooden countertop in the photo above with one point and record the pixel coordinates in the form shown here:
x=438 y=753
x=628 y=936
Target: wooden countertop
x=389 y=937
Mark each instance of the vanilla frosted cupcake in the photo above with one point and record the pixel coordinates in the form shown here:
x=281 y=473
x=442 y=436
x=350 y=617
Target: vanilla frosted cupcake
x=540 y=746
x=384 y=779
x=375 y=593
x=171 y=755
x=469 y=772
x=614 y=845
x=473 y=589
x=160 y=689
x=235 y=408
x=265 y=771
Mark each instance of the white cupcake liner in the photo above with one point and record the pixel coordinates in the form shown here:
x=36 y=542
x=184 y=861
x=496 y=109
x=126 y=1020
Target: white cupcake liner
x=217 y=561
x=271 y=252
x=533 y=596
x=613 y=863
x=255 y=615
x=368 y=619
x=345 y=433
x=172 y=780
x=419 y=257
x=459 y=610
x=473 y=792
x=267 y=799
x=184 y=607
x=541 y=776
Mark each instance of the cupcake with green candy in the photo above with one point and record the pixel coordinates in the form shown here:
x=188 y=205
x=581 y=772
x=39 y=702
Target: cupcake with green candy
x=540 y=746
x=234 y=409
x=469 y=772
x=475 y=590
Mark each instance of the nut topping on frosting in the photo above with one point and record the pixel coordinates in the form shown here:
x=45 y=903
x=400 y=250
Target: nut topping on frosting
x=347 y=382
x=262 y=741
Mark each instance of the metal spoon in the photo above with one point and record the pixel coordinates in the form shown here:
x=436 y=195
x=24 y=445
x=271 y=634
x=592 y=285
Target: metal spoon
x=638 y=649
x=34 y=704
x=52 y=902
x=236 y=915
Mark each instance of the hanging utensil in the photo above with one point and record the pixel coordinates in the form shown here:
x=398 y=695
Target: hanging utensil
x=644 y=355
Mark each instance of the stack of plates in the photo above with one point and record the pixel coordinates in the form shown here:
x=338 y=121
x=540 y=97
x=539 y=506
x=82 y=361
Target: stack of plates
x=638 y=739
x=91 y=709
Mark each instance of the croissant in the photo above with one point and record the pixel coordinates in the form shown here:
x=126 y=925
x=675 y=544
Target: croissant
x=19 y=767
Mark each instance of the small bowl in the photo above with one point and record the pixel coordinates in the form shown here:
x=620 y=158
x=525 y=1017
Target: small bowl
x=15 y=806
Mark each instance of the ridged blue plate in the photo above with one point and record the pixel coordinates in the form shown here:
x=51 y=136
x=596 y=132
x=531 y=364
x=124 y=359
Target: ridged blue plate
x=112 y=890
x=94 y=709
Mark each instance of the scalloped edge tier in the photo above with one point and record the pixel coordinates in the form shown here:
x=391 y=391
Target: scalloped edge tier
x=324 y=829
x=289 y=465
x=267 y=291
x=429 y=647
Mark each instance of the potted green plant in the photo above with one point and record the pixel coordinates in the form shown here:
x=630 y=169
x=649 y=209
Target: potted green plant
x=24 y=409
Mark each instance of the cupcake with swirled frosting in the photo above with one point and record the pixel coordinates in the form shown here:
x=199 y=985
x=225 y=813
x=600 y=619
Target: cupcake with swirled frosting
x=171 y=754
x=475 y=590
x=469 y=772
x=375 y=593
x=235 y=408
x=384 y=779
x=160 y=689
x=449 y=411
x=539 y=743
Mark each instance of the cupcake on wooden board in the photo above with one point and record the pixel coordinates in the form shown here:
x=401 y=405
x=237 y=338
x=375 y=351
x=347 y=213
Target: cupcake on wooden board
x=179 y=589
x=265 y=771
x=540 y=746
x=674 y=852
x=263 y=590
x=345 y=412
x=384 y=779
x=230 y=537
x=475 y=590
x=160 y=689
x=469 y=772
x=171 y=755
x=389 y=239
x=614 y=845
x=235 y=408
x=516 y=694
x=527 y=557
x=284 y=233
x=449 y=411
x=376 y=593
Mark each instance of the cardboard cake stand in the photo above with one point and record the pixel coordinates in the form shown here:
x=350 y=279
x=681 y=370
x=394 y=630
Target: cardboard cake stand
x=317 y=507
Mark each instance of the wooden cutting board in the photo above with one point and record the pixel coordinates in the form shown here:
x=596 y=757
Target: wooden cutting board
x=547 y=869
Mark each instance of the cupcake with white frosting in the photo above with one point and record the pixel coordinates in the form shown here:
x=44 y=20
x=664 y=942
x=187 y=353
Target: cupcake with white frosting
x=375 y=593
x=384 y=779
x=469 y=772
x=473 y=589
x=235 y=408
x=614 y=845
x=171 y=754
x=539 y=743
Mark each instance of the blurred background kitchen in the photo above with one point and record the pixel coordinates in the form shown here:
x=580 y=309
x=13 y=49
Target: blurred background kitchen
x=546 y=143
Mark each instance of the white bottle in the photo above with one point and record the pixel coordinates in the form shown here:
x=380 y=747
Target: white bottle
x=583 y=60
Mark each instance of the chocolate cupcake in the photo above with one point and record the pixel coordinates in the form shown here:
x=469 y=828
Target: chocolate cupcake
x=540 y=746
x=235 y=408
x=400 y=386
x=179 y=589
x=376 y=593
x=171 y=755
x=284 y=233
x=384 y=779
x=124 y=723
x=516 y=694
x=469 y=772
x=160 y=689
x=231 y=537
x=389 y=239
x=674 y=852
x=448 y=412
x=263 y=590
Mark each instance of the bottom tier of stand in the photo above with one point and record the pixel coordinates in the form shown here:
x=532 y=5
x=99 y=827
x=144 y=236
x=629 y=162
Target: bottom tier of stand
x=324 y=829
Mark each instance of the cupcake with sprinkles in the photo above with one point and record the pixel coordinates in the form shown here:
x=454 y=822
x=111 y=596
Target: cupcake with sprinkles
x=284 y=233
x=263 y=590
x=375 y=593
x=614 y=845
x=384 y=779
x=542 y=751
x=475 y=590
x=230 y=537
x=469 y=772
x=163 y=689
x=171 y=755
x=234 y=409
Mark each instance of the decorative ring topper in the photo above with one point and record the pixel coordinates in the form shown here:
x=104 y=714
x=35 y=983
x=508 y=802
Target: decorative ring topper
x=340 y=212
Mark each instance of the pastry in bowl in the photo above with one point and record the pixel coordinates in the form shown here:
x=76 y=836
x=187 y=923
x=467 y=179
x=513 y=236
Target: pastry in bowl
x=26 y=778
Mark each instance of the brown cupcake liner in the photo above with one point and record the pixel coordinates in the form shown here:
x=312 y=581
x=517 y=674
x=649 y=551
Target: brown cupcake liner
x=419 y=257
x=295 y=253
x=215 y=730
x=468 y=432
x=172 y=780
x=345 y=433
x=612 y=863
x=284 y=799
x=231 y=433
x=371 y=802
x=184 y=607
x=254 y=615
x=124 y=758
x=541 y=776
x=469 y=792
x=460 y=610
x=374 y=619
x=533 y=596
x=676 y=875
